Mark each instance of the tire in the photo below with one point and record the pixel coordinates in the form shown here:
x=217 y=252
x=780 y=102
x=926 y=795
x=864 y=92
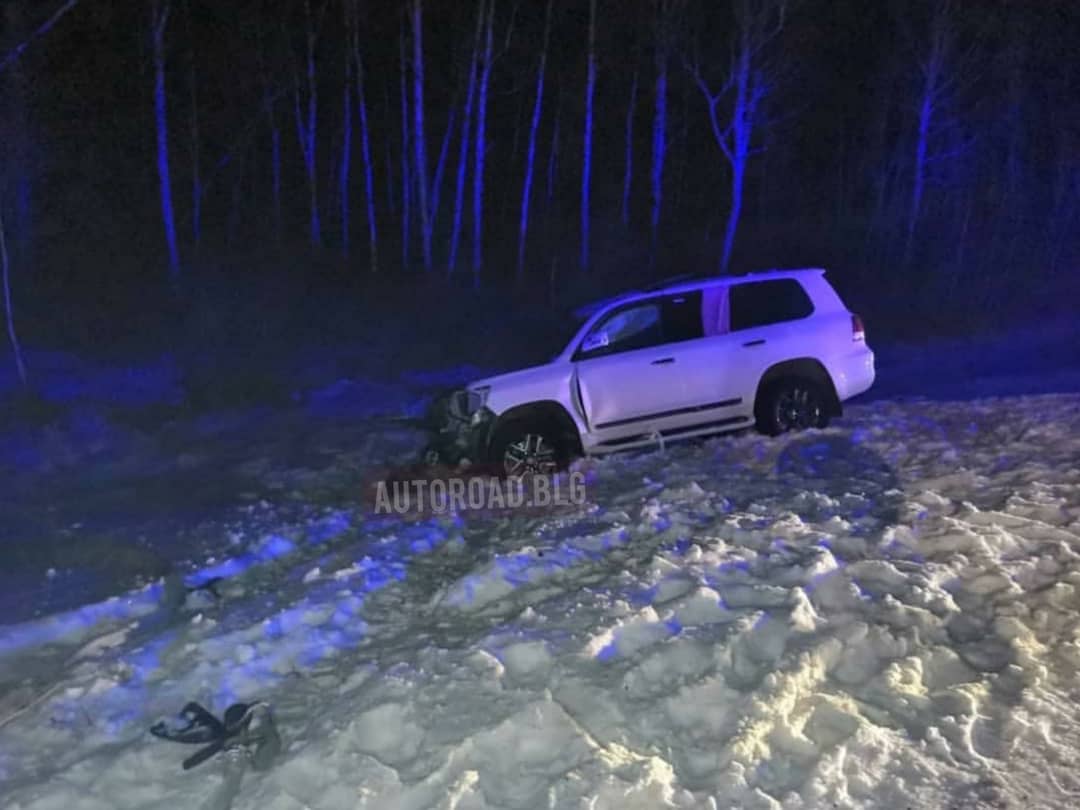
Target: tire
x=793 y=403
x=521 y=448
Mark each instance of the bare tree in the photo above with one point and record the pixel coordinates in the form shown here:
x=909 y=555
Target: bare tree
x=159 y=20
x=9 y=310
x=420 y=167
x=17 y=164
x=388 y=148
x=269 y=104
x=553 y=152
x=353 y=31
x=735 y=107
x=628 y=161
x=530 y=158
x=942 y=71
x=463 y=152
x=13 y=55
x=195 y=138
x=480 y=147
x=406 y=174
x=659 y=129
x=440 y=164
x=307 y=119
x=586 y=155
x=349 y=10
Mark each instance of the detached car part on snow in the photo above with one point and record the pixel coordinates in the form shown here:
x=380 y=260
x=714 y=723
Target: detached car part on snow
x=776 y=350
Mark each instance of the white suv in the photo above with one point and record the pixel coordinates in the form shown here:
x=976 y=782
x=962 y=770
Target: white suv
x=778 y=350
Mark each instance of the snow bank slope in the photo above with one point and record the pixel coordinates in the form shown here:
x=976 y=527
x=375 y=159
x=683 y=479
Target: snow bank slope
x=884 y=614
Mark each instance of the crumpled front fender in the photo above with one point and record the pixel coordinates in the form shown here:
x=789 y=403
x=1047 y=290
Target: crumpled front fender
x=455 y=436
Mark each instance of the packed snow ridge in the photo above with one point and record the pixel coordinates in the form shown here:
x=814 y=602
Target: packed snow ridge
x=881 y=614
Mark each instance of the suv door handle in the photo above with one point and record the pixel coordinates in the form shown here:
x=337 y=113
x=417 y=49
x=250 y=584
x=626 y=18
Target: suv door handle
x=757 y=342
x=663 y=361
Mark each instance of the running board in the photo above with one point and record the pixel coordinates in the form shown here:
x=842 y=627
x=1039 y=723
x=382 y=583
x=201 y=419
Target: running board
x=650 y=417
x=650 y=439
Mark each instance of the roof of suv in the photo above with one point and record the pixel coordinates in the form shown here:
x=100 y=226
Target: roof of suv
x=685 y=284
x=688 y=284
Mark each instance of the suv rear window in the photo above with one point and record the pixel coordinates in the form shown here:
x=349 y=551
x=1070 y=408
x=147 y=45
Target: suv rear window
x=760 y=303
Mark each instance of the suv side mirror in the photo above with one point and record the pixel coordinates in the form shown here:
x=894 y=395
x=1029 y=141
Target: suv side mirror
x=596 y=340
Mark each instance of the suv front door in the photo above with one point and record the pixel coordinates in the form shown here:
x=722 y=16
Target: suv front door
x=643 y=368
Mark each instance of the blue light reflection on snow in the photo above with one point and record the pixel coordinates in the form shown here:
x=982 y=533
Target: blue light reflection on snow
x=244 y=661
x=76 y=624
x=271 y=548
x=329 y=527
x=608 y=652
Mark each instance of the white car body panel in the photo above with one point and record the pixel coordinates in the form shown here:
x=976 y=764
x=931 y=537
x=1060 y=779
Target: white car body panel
x=552 y=381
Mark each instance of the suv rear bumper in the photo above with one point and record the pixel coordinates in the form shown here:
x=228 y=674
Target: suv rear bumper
x=853 y=373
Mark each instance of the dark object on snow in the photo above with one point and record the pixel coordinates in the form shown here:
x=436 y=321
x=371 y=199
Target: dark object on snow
x=210 y=586
x=246 y=727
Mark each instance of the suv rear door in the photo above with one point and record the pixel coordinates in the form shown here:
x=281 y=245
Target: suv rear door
x=767 y=325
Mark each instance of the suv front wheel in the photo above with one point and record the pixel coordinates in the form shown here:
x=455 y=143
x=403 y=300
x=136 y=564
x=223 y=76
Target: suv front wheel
x=522 y=448
x=791 y=404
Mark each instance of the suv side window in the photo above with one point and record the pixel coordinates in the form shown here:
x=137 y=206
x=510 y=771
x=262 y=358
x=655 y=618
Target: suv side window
x=760 y=303
x=633 y=327
x=681 y=317
x=665 y=319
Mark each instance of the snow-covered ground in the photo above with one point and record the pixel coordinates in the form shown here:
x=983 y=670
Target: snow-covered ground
x=881 y=614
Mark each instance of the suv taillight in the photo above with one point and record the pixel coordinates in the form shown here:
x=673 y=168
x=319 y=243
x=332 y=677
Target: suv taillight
x=858 y=333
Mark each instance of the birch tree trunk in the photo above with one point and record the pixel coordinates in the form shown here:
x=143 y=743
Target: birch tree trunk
x=406 y=174
x=659 y=128
x=196 y=169
x=12 y=56
x=480 y=146
x=586 y=157
x=269 y=108
x=346 y=129
x=365 y=140
x=553 y=152
x=742 y=125
x=307 y=124
x=463 y=151
x=18 y=169
x=918 y=179
x=628 y=170
x=160 y=18
x=440 y=165
x=420 y=169
x=757 y=23
x=9 y=309
x=932 y=68
x=530 y=157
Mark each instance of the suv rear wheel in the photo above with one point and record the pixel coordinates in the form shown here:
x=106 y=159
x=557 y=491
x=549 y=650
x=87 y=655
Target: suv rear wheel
x=522 y=448
x=791 y=404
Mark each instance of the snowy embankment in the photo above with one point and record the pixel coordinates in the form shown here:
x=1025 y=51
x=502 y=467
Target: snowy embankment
x=882 y=614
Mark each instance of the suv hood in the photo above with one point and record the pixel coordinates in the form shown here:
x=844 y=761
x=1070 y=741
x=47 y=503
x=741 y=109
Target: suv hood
x=549 y=382
x=525 y=376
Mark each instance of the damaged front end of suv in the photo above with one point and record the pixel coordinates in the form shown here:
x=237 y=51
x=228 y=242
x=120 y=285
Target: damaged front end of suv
x=460 y=425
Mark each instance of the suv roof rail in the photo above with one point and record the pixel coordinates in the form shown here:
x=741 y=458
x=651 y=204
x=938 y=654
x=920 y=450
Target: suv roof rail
x=671 y=281
x=785 y=270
